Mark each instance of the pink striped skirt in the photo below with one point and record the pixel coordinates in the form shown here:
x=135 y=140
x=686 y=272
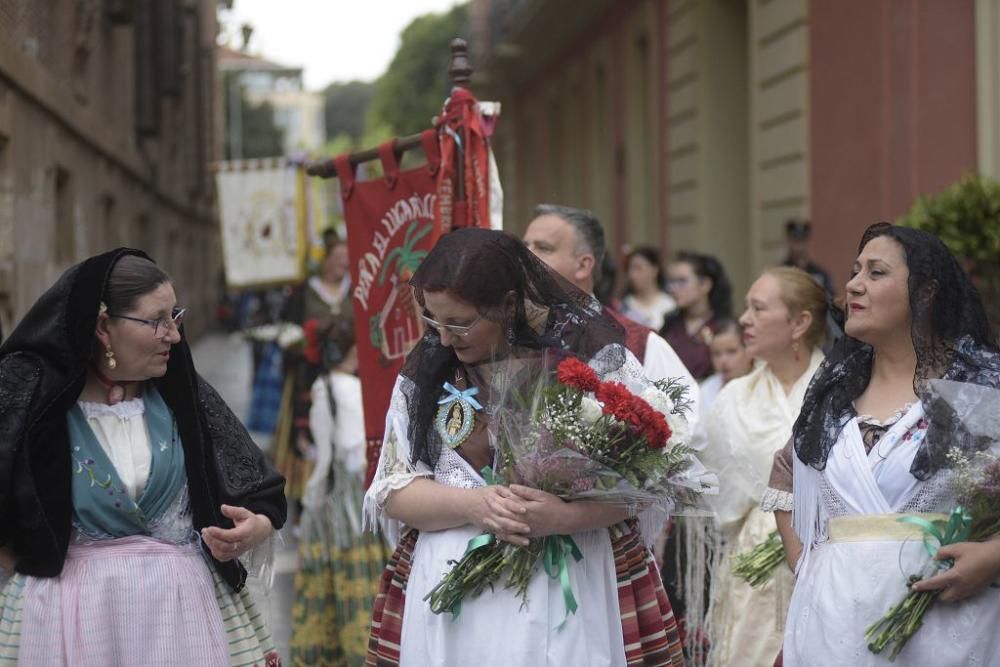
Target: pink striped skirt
x=129 y=601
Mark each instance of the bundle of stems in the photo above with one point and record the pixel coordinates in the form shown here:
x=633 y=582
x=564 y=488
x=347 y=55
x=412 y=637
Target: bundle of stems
x=757 y=566
x=900 y=623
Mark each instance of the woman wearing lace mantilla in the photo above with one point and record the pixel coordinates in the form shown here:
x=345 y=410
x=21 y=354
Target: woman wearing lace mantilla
x=486 y=297
x=130 y=491
x=866 y=452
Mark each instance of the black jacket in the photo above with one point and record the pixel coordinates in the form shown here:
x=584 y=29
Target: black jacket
x=43 y=367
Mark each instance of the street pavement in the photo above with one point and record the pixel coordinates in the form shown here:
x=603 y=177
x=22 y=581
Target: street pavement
x=226 y=363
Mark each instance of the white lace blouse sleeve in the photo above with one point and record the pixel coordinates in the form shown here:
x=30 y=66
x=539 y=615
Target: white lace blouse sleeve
x=321 y=427
x=395 y=470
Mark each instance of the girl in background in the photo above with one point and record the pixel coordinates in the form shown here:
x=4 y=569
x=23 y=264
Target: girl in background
x=339 y=564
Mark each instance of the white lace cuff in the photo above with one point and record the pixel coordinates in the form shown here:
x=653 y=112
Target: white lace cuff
x=775 y=500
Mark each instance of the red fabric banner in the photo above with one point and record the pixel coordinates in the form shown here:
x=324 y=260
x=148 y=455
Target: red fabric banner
x=465 y=137
x=391 y=226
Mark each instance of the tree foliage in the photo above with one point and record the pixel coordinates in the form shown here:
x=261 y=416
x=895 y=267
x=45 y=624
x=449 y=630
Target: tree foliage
x=345 y=108
x=966 y=216
x=416 y=83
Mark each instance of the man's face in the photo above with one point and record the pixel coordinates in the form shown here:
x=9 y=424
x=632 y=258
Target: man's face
x=554 y=241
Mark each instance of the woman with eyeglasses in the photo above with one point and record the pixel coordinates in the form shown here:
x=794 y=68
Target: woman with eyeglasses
x=488 y=300
x=134 y=500
x=699 y=285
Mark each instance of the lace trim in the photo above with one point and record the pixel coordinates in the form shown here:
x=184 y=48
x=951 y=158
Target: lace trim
x=888 y=421
x=240 y=467
x=776 y=500
x=135 y=407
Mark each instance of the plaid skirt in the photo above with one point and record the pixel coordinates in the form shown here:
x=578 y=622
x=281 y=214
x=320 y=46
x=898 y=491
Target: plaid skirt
x=648 y=625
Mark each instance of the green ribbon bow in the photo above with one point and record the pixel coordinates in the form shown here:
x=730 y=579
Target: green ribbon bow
x=942 y=532
x=555 y=548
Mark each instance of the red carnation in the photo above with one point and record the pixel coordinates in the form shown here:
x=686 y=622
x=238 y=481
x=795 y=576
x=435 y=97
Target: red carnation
x=616 y=399
x=574 y=373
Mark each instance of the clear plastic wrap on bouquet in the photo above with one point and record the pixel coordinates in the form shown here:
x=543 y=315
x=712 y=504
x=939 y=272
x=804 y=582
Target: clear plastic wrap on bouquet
x=563 y=440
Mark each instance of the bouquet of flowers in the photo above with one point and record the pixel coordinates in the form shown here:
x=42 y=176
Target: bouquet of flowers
x=757 y=566
x=570 y=434
x=972 y=417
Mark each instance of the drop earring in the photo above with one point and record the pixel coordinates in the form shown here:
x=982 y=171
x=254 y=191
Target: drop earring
x=795 y=349
x=110 y=356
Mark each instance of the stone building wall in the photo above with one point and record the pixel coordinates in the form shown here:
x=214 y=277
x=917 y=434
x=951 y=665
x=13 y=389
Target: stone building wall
x=108 y=125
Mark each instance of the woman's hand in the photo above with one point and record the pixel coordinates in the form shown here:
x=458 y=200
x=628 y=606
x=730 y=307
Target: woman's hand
x=230 y=543
x=977 y=565
x=545 y=514
x=498 y=510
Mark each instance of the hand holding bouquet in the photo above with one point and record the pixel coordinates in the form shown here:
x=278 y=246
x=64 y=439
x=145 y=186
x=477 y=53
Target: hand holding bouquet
x=972 y=418
x=570 y=434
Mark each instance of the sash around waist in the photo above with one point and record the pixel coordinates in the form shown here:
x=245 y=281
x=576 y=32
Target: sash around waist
x=877 y=527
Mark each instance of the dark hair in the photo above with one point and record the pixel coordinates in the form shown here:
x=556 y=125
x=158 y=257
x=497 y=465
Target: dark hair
x=496 y=273
x=728 y=325
x=951 y=335
x=604 y=287
x=132 y=278
x=944 y=303
x=589 y=232
x=720 y=298
x=651 y=255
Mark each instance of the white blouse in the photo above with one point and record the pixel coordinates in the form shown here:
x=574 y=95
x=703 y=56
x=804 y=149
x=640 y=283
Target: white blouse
x=121 y=431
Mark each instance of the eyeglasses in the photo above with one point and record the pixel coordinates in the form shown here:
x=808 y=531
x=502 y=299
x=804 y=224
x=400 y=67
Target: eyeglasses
x=453 y=329
x=678 y=282
x=175 y=320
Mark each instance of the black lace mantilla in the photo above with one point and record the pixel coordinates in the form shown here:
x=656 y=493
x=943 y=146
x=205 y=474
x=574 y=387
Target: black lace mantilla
x=238 y=458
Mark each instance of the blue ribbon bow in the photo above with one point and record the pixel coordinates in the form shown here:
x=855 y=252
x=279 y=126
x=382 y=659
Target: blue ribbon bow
x=457 y=395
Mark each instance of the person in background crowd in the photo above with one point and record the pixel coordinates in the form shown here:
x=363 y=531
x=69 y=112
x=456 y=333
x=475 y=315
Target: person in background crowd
x=339 y=564
x=312 y=306
x=646 y=299
x=784 y=326
x=729 y=360
x=571 y=242
x=797 y=238
x=139 y=496
x=701 y=289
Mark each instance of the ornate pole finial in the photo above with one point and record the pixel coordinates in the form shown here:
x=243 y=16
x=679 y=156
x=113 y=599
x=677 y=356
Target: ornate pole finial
x=459 y=71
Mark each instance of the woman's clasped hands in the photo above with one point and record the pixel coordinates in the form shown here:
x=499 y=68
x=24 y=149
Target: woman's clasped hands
x=517 y=513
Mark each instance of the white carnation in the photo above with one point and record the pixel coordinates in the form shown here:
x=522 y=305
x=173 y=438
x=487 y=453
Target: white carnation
x=590 y=410
x=678 y=428
x=657 y=400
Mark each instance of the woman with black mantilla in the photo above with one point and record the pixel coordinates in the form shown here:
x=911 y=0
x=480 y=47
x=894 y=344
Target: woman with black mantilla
x=869 y=446
x=130 y=490
x=486 y=297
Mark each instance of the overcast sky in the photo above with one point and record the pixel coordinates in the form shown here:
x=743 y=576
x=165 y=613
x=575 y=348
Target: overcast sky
x=334 y=40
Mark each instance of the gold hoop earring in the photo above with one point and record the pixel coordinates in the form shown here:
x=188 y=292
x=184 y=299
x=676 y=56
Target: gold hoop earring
x=112 y=364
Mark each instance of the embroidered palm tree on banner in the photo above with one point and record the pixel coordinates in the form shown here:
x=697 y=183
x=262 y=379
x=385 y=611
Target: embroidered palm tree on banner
x=398 y=327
